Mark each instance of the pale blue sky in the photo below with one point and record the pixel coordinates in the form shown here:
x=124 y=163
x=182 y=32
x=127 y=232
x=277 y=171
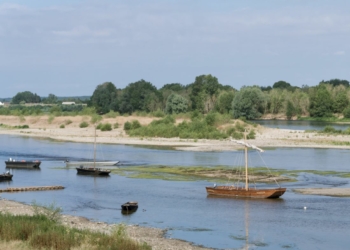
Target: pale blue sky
x=69 y=47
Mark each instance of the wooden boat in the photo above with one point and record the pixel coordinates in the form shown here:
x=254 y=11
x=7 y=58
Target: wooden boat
x=97 y=163
x=6 y=176
x=92 y=170
x=246 y=191
x=12 y=163
x=129 y=207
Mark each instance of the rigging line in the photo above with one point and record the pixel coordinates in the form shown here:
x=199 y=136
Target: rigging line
x=265 y=165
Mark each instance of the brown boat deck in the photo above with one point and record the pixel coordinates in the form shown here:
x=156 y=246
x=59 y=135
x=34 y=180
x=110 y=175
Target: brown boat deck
x=20 y=189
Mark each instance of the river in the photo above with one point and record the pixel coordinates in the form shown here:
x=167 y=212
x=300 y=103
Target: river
x=183 y=207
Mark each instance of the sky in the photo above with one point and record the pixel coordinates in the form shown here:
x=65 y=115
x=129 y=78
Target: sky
x=69 y=47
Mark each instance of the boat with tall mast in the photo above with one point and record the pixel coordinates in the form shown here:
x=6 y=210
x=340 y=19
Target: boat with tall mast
x=246 y=191
x=93 y=170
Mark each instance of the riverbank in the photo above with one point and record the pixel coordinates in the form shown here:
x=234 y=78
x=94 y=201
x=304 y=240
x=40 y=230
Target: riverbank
x=44 y=127
x=152 y=236
x=335 y=192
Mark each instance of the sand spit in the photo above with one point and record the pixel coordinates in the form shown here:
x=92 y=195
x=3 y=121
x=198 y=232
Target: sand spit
x=337 y=192
x=43 y=127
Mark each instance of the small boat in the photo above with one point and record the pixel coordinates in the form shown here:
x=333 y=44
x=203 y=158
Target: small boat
x=129 y=207
x=6 y=176
x=12 y=163
x=93 y=171
x=246 y=191
x=97 y=163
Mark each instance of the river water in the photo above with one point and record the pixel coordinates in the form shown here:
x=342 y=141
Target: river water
x=184 y=207
x=300 y=125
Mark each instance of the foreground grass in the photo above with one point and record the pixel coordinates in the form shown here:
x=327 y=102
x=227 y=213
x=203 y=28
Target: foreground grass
x=40 y=232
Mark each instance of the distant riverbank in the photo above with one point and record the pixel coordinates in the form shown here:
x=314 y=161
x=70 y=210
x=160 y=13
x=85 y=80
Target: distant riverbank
x=44 y=127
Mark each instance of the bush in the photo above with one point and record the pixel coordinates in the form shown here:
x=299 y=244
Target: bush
x=83 y=125
x=62 y=126
x=106 y=127
x=127 y=126
x=67 y=122
x=116 y=125
x=135 y=124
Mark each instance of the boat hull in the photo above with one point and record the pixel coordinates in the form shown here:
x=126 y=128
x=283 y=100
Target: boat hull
x=129 y=207
x=6 y=177
x=97 y=163
x=230 y=191
x=93 y=171
x=22 y=164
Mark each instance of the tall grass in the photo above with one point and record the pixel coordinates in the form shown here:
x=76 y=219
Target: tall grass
x=42 y=232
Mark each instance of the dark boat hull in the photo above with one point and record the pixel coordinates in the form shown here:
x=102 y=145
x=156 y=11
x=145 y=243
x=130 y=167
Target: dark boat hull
x=129 y=207
x=93 y=171
x=230 y=191
x=22 y=164
x=6 y=177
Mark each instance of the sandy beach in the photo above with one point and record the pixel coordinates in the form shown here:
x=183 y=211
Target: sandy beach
x=42 y=127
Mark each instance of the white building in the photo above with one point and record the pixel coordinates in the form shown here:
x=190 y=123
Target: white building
x=1 y=104
x=68 y=103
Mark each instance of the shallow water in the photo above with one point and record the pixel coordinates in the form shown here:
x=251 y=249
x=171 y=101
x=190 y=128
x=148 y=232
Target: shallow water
x=183 y=207
x=300 y=125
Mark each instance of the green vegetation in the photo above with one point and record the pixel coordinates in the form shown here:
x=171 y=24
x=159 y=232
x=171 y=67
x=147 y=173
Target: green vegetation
x=62 y=126
x=215 y=173
x=104 y=126
x=205 y=95
x=332 y=130
x=201 y=127
x=44 y=231
x=84 y=125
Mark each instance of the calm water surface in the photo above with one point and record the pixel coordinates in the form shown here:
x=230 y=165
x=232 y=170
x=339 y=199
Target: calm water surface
x=183 y=207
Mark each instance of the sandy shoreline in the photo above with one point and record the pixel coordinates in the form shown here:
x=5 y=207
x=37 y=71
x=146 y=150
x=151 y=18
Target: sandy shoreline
x=42 y=127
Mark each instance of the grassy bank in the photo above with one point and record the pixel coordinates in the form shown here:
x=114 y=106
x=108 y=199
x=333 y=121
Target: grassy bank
x=42 y=232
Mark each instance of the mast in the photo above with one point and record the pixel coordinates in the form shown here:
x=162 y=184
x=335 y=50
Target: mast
x=95 y=149
x=246 y=163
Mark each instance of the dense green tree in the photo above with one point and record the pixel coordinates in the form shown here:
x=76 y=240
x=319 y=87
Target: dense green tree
x=224 y=102
x=276 y=100
x=341 y=101
x=249 y=102
x=51 y=99
x=25 y=97
x=346 y=112
x=321 y=102
x=176 y=104
x=336 y=82
x=290 y=110
x=281 y=85
x=140 y=96
x=104 y=98
x=204 y=88
x=176 y=87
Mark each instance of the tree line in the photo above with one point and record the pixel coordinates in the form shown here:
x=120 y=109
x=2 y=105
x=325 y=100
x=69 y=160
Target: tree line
x=206 y=95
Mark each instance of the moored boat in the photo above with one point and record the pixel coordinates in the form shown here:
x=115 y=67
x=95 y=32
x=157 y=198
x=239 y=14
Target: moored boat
x=97 y=163
x=93 y=171
x=246 y=191
x=12 y=163
x=7 y=176
x=129 y=207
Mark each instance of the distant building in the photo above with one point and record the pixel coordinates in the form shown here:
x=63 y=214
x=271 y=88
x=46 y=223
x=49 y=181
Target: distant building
x=68 y=103
x=1 y=104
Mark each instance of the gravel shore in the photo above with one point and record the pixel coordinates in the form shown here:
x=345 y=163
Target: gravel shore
x=152 y=236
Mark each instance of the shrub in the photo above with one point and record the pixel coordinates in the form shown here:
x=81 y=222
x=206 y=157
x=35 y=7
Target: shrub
x=158 y=113
x=127 y=126
x=83 y=125
x=135 y=124
x=106 y=127
x=62 y=126
x=116 y=125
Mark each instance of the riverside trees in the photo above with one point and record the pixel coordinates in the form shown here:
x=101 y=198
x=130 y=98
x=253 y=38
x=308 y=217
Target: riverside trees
x=206 y=94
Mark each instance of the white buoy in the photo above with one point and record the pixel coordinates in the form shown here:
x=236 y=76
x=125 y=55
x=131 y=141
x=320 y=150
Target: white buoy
x=305 y=208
